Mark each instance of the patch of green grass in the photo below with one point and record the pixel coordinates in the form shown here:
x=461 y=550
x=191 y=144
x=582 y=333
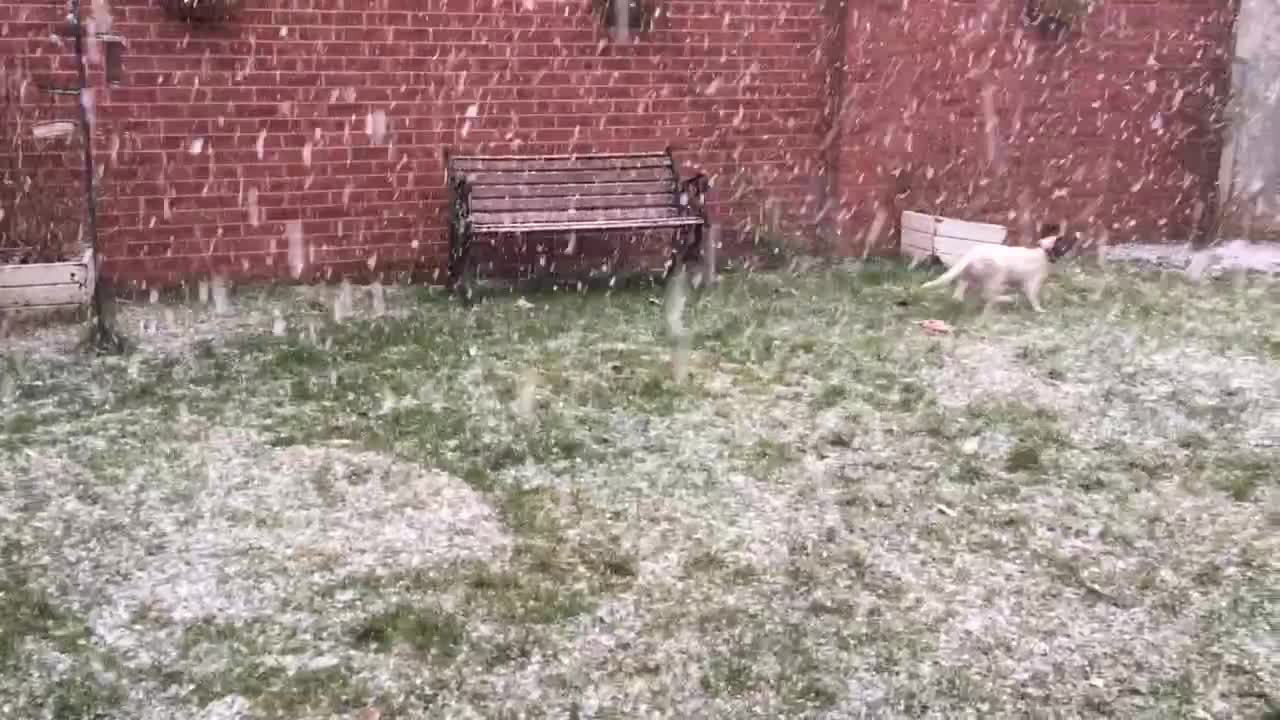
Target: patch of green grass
x=911 y=396
x=545 y=604
x=80 y=693
x=21 y=423
x=634 y=378
x=479 y=478
x=26 y=611
x=1024 y=456
x=1193 y=441
x=1044 y=358
x=610 y=564
x=1018 y=419
x=970 y=471
x=530 y=511
x=767 y=457
x=515 y=648
x=728 y=675
x=274 y=692
x=746 y=645
x=1241 y=474
x=1226 y=410
x=1271 y=346
x=1176 y=693
x=714 y=564
x=1038 y=354
x=1138 y=463
x=705 y=562
x=526 y=599
x=550 y=579
x=545 y=584
x=1036 y=431
x=429 y=631
x=206 y=632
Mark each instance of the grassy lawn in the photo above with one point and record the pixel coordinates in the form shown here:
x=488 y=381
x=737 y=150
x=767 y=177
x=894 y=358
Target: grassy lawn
x=538 y=508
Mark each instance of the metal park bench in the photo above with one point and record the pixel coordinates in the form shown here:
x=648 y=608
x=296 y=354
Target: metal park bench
x=496 y=196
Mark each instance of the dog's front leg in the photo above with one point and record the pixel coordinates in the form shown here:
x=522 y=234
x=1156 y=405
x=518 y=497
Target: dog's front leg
x=1032 y=290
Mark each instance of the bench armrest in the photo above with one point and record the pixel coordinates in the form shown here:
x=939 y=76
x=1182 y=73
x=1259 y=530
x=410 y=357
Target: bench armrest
x=698 y=184
x=692 y=191
x=461 y=189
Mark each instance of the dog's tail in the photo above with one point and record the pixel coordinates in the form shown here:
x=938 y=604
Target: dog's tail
x=950 y=274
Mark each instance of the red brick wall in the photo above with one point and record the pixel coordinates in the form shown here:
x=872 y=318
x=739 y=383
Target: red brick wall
x=41 y=189
x=734 y=87
x=1113 y=128
x=799 y=119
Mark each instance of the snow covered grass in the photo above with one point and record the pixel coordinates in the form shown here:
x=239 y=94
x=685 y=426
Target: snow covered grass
x=547 y=506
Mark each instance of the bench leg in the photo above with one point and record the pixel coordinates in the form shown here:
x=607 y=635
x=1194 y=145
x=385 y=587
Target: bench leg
x=684 y=249
x=694 y=250
x=459 y=261
x=678 y=252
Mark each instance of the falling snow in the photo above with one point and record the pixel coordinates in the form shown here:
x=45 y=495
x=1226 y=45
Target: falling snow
x=800 y=489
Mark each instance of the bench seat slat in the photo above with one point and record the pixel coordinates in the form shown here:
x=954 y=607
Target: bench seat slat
x=538 y=177
x=560 y=156
x=527 y=227
x=638 y=214
x=566 y=203
x=571 y=189
x=474 y=164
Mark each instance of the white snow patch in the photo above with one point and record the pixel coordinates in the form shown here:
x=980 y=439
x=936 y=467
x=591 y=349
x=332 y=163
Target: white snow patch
x=230 y=530
x=1228 y=257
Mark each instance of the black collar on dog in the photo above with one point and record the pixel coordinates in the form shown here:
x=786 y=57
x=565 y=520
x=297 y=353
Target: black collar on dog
x=1061 y=247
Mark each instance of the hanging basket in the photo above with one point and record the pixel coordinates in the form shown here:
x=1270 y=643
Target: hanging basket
x=639 y=13
x=202 y=10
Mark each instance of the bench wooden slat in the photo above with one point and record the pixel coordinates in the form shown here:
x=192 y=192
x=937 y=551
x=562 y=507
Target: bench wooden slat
x=565 y=203
x=685 y=221
x=637 y=215
x=526 y=177
x=571 y=189
x=473 y=164
x=559 y=156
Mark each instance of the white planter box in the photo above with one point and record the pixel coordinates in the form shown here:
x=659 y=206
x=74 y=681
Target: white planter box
x=925 y=236
x=48 y=286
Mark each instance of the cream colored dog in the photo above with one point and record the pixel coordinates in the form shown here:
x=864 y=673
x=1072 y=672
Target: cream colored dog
x=993 y=268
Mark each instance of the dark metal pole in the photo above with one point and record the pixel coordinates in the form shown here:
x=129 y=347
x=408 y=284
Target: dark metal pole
x=103 y=332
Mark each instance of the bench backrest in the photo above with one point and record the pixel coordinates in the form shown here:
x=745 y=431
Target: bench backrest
x=507 y=190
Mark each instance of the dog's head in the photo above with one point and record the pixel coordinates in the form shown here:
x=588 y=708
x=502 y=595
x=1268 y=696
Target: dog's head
x=1055 y=242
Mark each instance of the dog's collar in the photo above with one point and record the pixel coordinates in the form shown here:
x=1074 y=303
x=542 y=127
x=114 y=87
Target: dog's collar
x=1059 y=249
